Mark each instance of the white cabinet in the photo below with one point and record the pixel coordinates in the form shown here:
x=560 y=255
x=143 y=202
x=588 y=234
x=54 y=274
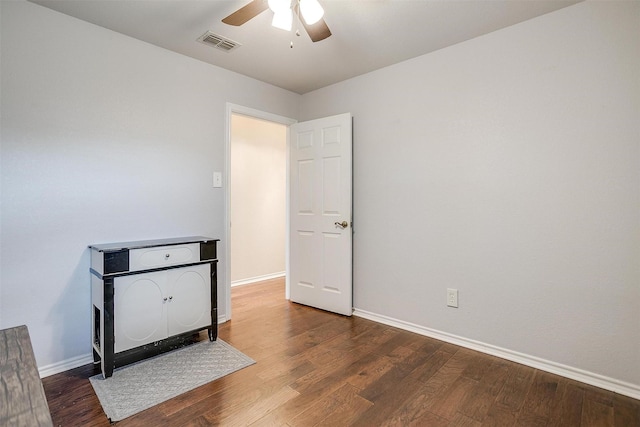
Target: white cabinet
x=152 y=306
x=151 y=296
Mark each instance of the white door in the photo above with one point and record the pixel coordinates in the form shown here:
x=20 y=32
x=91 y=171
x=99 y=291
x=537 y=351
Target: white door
x=320 y=217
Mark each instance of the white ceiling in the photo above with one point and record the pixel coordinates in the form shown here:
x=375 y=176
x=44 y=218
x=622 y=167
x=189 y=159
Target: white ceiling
x=367 y=34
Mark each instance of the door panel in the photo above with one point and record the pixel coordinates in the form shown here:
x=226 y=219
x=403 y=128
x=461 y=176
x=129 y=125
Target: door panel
x=321 y=200
x=331 y=167
x=139 y=316
x=332 y=273
x=190 y=299
x=305 y=187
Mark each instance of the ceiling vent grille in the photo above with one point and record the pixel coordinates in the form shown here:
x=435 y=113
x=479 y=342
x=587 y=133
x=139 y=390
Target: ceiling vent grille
x=218 y=41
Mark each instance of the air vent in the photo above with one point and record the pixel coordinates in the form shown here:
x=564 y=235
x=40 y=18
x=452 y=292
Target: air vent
x=218 y=41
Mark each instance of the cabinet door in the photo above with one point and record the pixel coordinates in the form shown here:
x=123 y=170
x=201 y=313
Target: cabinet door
x=189 y=292
x=139 y=310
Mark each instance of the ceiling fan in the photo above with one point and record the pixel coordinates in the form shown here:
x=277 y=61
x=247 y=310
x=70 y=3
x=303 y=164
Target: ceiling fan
x=283 y=13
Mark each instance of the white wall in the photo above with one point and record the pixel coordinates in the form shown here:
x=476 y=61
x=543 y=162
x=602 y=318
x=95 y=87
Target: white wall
x=258 y=198
x=104 y=138
x=507 y=167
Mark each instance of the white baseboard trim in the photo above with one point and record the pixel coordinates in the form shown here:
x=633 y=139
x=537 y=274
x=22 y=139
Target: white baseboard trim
x=251 y=280
x=65 y=365
x=607 y=383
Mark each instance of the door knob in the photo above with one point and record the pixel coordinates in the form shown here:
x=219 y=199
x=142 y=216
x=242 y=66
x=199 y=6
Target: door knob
x=343 y=224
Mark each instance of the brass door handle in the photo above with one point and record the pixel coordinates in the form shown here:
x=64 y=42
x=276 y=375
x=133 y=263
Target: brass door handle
x=343 y=224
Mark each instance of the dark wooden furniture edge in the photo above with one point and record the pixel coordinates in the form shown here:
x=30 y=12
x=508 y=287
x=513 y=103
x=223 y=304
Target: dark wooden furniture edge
x=22 y=398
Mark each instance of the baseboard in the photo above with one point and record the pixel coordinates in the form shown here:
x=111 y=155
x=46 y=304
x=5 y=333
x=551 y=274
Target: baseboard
x=597 y=380
x=85 y=359
x=65 y=365
x=251 y=280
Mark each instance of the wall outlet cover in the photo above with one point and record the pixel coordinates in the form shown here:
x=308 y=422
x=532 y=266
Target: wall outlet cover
x=452 y=297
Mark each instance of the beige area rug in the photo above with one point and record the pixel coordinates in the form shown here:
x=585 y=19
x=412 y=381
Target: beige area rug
x=144 y=384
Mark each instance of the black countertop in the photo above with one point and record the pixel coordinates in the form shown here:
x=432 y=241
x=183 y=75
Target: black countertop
x=109 y=247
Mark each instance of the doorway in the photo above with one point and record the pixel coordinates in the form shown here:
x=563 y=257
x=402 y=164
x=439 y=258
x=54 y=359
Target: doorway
x=257 y=184
x=256 y=198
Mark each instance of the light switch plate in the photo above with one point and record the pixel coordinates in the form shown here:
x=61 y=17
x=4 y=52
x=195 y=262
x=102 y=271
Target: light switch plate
x=217 y=179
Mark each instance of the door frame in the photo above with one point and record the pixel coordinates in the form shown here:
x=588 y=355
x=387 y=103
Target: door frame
x=232 y=109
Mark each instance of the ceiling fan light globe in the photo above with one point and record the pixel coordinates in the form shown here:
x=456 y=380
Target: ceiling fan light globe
x=279 y=5
x=283 y=19
x=311 y=11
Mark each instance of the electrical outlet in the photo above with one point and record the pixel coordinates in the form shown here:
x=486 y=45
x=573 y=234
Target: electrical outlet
x=452 y=297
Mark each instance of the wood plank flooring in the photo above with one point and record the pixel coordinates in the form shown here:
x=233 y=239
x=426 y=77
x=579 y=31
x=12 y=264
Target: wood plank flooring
x=317 y=368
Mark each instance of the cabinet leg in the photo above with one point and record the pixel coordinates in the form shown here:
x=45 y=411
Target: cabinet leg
x=213 y=330
x=107 y=368
x=109 y=329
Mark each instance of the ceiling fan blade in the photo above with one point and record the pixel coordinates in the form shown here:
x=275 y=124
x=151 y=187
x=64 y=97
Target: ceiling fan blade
x=318 y=31
x=246 y=12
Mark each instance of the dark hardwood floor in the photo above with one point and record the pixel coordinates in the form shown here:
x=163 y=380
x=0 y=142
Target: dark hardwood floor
x=317 y=368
